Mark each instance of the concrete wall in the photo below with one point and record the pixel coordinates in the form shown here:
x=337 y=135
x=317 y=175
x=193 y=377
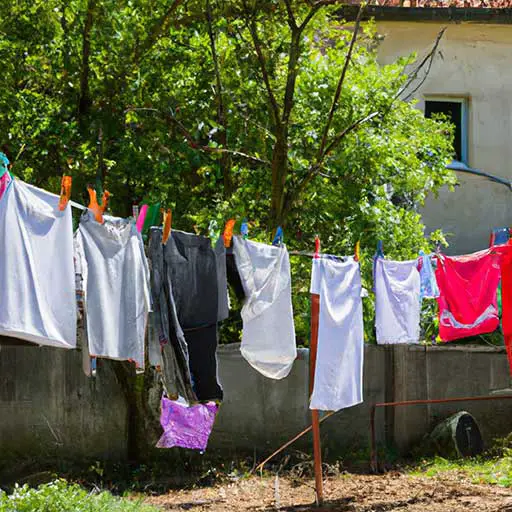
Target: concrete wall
x=49 y=408
x=260 y=414
x=474 y=62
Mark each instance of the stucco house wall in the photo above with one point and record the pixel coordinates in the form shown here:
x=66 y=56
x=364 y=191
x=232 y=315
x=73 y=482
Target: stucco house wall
x=474 y=62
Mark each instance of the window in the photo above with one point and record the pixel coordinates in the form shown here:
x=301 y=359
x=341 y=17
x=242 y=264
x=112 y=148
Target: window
x=456 y=111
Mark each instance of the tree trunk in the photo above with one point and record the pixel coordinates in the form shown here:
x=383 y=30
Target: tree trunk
x=279 y=175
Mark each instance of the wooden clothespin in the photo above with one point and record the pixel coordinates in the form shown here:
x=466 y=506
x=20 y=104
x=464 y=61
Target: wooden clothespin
x=228 y=232
x=357 y=251
x=317 y=247
x=65 y=192
x=167 y=225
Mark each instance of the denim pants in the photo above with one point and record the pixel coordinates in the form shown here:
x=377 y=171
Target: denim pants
x=191 y=271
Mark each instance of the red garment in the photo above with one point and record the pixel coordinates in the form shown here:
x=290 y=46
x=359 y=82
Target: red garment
x=468 y=302
x=506 y=298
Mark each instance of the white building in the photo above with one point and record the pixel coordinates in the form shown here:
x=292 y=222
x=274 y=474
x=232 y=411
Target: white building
x=470 y=80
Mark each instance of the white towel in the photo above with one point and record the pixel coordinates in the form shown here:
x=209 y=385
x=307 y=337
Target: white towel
x=340 y=355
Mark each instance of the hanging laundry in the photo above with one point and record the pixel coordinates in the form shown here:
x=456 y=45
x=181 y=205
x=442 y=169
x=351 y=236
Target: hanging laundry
x=184 y=426
x=37 y=277
x=223 y=297
x=116 y=282
x=397 y=301
x=468 y=303
x=339 y=364
x=506 y=298
x=191 y=268
x=428 y=282
x=166 y=341
x=268 y=337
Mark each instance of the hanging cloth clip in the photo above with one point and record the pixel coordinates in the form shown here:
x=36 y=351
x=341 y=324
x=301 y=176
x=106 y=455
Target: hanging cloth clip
x=65 y=192
x=167 y=225
x=228 y=232
x=279 y=237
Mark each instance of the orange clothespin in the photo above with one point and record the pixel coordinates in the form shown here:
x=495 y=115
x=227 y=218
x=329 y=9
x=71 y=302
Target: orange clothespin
x=167 y=225
x=96 y=209
x=357 y=252
x=228 y=232
x=65 y=192
x=317 y=246
x=104 y=201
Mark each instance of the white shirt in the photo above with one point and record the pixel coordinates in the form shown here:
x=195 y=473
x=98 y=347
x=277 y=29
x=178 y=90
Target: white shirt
x=37 y=277
x=397 y=301
x=116 y=282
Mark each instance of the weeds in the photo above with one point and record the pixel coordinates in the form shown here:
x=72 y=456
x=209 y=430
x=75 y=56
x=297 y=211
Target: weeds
x=60 y=496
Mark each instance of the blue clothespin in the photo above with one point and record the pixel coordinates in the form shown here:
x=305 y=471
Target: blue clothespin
x=4 y=164
x=380 y=250
x=244 y=229
x=278 y=239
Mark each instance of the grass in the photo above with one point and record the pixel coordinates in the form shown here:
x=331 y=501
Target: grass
x=61 y=496
x=495 y=470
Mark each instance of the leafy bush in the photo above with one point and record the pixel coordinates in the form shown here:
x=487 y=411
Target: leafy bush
x=61 y=496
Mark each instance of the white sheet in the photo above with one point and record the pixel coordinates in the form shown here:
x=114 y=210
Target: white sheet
x=37 y=277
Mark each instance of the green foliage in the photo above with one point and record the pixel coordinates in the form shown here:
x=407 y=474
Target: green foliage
x=60 y=496
x=138 y=110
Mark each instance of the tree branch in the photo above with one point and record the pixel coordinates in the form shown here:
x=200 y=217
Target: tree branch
x=253 y=29
x=84 y=101
x=197 y=145
x=291 y=18
x=337 y=94
x=221 y=111
x=339 y=137
x=158 y=29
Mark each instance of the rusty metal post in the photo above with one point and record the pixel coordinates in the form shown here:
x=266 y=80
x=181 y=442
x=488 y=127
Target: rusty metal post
x=315 y=423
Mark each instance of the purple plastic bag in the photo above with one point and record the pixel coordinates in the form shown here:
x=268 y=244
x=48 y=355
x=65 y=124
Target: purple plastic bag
x=184 y=426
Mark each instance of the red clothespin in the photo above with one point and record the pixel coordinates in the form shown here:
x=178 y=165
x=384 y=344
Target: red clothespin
x=357 y=251
x=317 y=247
x=167 y=225
x=65 y=192
x=228 y=232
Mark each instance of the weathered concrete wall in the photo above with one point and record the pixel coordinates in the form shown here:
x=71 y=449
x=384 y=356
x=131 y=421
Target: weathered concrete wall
x=48 y=407
x=260 y=414
x=473 y=63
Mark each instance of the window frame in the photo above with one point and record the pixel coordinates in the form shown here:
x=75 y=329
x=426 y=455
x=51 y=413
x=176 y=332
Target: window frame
x=464 y=128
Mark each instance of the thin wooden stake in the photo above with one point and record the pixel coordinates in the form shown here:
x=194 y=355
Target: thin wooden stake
x=315 y=423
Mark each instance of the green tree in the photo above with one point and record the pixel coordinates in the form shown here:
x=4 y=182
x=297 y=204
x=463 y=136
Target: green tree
x=276 y=111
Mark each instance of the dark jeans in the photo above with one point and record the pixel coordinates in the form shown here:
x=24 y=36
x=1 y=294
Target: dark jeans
x=166 y=327
x=191 y=270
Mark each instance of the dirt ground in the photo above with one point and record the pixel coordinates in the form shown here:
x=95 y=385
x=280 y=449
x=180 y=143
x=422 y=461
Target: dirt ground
x=346 y=492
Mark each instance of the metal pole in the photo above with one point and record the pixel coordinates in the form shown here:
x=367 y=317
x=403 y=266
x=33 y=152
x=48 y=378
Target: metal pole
x=373 y=463
x=315 y=423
